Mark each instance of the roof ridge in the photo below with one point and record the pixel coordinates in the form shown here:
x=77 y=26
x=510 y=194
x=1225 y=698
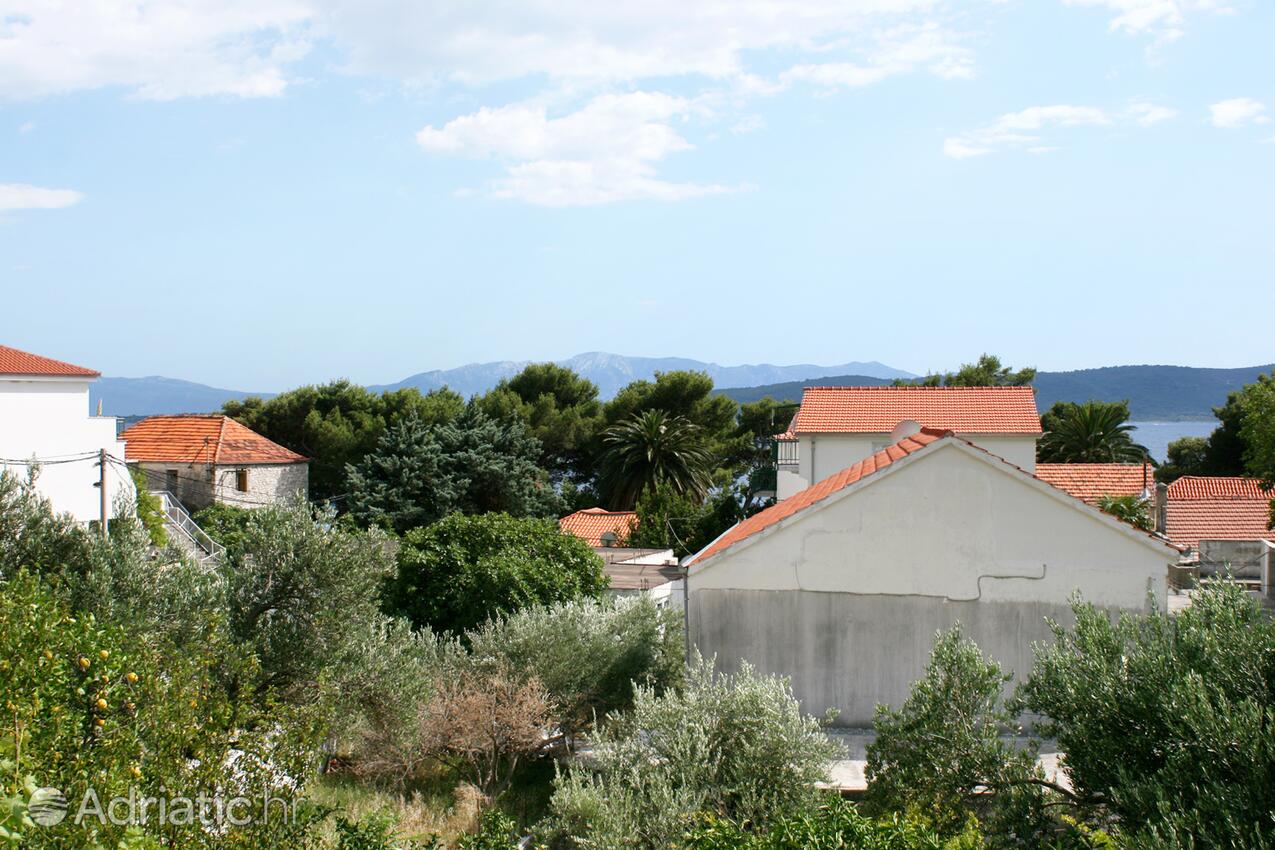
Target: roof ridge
x=15 y=361
x=221 y=434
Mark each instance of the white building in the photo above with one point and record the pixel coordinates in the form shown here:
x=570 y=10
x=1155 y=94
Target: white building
x=839 y=426
x=44 y=417
x=842 y=586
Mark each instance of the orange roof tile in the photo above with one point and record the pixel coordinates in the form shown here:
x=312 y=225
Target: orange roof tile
x=591 y=523
x=1089 y=482
x=780 y=511
x=15 y=362
x=877 y=410
x=1217 y=487
x=198 y=438
x=1217 y=508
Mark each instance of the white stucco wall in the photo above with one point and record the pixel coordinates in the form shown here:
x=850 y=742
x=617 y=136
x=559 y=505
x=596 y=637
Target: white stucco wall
x=846 y=598
x=49 y=418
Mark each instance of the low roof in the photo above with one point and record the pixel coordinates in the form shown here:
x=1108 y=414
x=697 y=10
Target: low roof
x=591 y=523
x=201 y=438
x=16 y=362
x=877 y=410
x=1217 y=508
x=1089 y=482
x=868 y=467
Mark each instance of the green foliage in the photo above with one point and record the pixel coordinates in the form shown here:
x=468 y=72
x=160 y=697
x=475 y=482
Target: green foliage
x=226 y=524
x=1226 y=445
x=653 y=450
x=1185 y=456
x=835 y=825
x=736 y=746
x=1257 y=428
x=666 y=520
x=303 y=593
x=496 y=831
x=628 y=643
x=338 y=423
x=986 y=372
x=1092 y=432
x=420 y=473
x=1131 y=509
x=461 y=571
x=150 y=512
x=558 y=407
x=930 y=754
x=1168 y=722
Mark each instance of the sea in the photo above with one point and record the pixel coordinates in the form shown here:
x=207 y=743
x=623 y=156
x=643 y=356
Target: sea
x=1156 y=436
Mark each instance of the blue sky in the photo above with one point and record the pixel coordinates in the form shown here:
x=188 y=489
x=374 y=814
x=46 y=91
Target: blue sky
x=260 y=193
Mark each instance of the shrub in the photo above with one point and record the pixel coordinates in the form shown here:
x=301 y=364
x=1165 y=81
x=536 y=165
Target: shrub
x=734 y=745
x=627 y=643
x=460 y=572
x=1168 y=722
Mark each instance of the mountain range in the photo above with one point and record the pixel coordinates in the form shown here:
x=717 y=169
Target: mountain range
x=1154 y=393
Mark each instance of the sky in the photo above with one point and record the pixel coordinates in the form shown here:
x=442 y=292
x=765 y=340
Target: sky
x=256 y=194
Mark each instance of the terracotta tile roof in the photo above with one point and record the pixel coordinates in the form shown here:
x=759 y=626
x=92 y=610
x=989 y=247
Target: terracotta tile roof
x=1217 y=487
x=1217 y=508
x=762 y=520
x=15 y=362
x=201 y=439
x=877 y=410
x=591 y=523
x=1089 y=482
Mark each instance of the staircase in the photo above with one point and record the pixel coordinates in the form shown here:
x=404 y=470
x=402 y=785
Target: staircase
x=185 y=533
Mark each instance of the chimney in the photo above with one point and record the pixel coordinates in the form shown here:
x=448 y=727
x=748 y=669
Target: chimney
x=1161 y=508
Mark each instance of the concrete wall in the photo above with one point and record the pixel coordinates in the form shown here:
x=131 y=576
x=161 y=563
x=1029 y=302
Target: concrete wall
x=1244 y=559
x=821 y=455
x=845 y=597
x=49 y=418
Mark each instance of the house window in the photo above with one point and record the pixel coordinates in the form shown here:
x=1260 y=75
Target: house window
x=170 y=480
x=241 y=480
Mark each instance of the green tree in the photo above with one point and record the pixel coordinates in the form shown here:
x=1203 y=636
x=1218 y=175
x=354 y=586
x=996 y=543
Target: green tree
x=1257 y=430
x=1092 y=432
x=987 y=371
x=419 y=473
x=1131 y=509
x=668 y=520
x=457 y=573
x=653 y=449
x=558 y=407
x=1185 y=456
x=1226 y=445
x=337 y=424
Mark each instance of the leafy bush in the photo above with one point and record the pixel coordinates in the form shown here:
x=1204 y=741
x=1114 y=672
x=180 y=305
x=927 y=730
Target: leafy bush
x=460 y=572
x=734 y=745
x=628 y=643
x=149 y=510
x=932 y=753
x=1168 y=722
x=1131 y=509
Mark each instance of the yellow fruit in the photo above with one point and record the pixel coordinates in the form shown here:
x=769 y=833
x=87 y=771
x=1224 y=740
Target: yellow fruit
x=84 y=663
x=136 y=771
x=48 y=654
x=103 y=654
x=99 y=722
x=101 y=704
x=131 y=678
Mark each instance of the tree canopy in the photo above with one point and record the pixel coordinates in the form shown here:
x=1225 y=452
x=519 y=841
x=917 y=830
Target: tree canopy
x=653 y=449
x=987 y=371
x=1088 y=432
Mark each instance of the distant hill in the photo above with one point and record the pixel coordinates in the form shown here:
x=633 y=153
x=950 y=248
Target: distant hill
x=1155 y=393
x=611 y=372
x=156 y=395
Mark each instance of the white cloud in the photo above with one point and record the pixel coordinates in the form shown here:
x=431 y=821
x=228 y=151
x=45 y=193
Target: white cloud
x=155 y=50
x=605 y=151
x=1238 y=112
x=1021 y=130
x=26 y=126
x=20 y=196
x=1150 y=114
x=900 y=50
x=1163 y=19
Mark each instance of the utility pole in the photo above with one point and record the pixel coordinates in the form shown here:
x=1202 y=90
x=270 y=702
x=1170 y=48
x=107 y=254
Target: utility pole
x=101 y=483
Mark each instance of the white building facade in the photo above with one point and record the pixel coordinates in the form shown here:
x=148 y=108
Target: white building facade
x=45 y=425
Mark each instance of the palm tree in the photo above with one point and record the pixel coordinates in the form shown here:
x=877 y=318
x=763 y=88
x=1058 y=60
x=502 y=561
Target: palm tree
x=1093 y=432
x=649 y=450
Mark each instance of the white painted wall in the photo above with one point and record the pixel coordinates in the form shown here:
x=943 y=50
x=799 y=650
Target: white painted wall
x=49 y=418
x=845 y=598
x=821 y=455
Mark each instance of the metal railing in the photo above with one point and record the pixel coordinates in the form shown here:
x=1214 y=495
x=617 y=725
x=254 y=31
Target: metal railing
x=179 y=520
x=786 y=453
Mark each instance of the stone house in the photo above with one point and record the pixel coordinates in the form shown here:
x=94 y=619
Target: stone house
x=202 y=460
